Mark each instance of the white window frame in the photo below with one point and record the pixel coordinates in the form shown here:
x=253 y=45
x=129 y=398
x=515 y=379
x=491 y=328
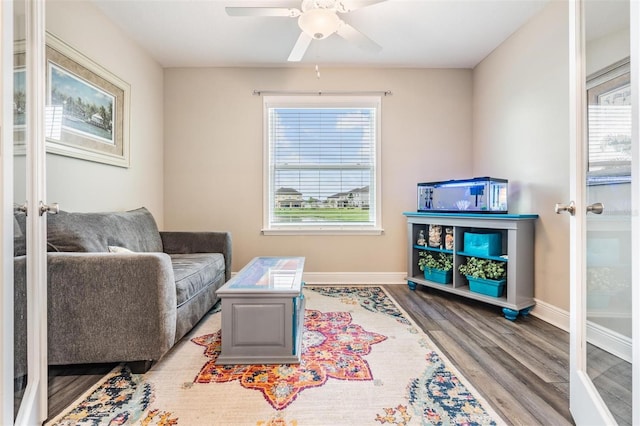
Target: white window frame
x=321 y=102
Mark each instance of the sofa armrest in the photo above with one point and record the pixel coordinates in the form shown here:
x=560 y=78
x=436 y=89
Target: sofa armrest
x=199 y=242
x=106 y=307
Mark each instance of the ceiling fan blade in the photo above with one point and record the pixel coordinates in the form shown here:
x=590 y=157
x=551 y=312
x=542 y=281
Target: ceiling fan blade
x=354 y=36
x=351 y=5
x=263 y=11
x=300 y=47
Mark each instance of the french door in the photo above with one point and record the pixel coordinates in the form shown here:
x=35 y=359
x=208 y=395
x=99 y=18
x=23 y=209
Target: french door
x=605 y=218
x=23 y=302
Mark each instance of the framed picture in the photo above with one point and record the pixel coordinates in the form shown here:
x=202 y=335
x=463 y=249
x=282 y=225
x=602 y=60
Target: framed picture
x=93 y=105
x=19 y=96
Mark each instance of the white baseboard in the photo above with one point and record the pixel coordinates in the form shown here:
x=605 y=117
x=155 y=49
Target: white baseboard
x=610 y=341
x=551 y=314
x=376 y=278
x=359 y=278
x=597 y=335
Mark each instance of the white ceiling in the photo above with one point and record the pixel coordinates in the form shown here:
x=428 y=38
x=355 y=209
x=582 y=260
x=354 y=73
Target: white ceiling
x=412 y=33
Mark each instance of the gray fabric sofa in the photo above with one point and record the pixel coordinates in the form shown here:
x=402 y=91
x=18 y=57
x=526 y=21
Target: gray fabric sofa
x=134 y=304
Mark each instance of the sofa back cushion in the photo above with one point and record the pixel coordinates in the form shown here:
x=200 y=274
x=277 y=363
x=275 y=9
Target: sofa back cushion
x=95 y=232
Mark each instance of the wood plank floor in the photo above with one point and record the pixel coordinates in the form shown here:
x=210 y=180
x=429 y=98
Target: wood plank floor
x=612 y=377
x=521 y=368
x=68 y=383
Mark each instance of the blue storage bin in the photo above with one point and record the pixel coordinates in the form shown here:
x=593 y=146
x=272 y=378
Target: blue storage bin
x=483 y=244
x=438 y=275
x=493 y=288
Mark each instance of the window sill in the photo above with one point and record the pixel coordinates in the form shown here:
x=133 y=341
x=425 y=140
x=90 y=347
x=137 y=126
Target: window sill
x=323 y=231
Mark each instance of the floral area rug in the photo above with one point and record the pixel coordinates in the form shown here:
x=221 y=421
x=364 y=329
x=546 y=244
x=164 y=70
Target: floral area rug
x=363 y=362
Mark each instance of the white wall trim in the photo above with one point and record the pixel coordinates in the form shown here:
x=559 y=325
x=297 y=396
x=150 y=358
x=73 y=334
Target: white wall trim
x=355 y=277
x=360 y=278
x=609 y=340
x=597 y=335
x=551 y=314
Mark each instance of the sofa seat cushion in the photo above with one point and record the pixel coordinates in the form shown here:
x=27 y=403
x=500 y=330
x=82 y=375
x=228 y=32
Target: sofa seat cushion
x=194 y=272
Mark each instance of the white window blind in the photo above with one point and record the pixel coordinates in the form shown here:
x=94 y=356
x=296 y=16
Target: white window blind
x=609 y=136
x=609 y=125
x=321 y=163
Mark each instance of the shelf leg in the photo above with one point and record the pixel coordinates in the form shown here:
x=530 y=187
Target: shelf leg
x=524 y=312
x=412 y=285
x=510 y=314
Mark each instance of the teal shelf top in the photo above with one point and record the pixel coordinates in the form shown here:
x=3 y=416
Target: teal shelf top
x=427 y=248
x=473 y=215
x=504 y=258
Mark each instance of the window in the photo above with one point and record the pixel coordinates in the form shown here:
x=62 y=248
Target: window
x=321 y=164
x=609 y=125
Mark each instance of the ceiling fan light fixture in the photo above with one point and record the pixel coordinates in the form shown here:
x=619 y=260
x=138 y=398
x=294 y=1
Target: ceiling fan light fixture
x=319 y=23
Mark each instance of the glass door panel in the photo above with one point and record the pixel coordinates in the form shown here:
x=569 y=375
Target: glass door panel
x=608 y=262
x=606 y=185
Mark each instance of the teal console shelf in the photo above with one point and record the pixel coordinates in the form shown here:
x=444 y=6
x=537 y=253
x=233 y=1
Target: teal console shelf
x=517 y=251
x=504 y=258
x=438 y=250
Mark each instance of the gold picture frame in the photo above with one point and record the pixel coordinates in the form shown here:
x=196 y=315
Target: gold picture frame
x=19 y=97
x=95 y=106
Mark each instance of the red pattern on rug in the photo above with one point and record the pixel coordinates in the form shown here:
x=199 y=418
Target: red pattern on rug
x=333 y=347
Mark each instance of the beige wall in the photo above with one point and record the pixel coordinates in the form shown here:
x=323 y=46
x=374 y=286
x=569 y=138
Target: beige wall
x=521 y=132
x=507 y=118
x=213 y=155
x=80 y=185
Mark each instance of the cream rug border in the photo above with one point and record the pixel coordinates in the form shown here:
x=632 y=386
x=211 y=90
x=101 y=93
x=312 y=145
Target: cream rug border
x=450 y=365
x=84 y=396
x=479 y=397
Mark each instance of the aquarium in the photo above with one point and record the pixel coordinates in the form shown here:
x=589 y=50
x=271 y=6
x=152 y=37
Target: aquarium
x=477 y=195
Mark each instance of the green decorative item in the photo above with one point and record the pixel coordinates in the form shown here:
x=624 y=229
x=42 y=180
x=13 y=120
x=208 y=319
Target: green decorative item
x=485 y=276
x=483 y=268
x=436 y=268
x=427 y=260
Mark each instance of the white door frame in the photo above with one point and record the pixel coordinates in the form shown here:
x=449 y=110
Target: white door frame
x=586 y=404
x=34 y=403
x=6 y=213
x=634 y=24
x=581 y=387
x=33 y=410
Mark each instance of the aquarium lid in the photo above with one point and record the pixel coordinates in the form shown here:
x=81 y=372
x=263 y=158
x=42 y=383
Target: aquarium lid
x=463 y=182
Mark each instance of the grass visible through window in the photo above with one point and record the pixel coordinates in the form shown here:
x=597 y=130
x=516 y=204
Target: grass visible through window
x=293 y=215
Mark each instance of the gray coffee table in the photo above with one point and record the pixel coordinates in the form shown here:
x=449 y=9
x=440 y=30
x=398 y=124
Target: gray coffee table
x=263 y=313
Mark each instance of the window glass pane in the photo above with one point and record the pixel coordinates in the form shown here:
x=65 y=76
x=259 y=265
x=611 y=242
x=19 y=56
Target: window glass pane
x=609 y=126
x=322 y=163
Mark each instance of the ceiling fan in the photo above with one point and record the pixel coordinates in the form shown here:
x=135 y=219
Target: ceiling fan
x=318 y=19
